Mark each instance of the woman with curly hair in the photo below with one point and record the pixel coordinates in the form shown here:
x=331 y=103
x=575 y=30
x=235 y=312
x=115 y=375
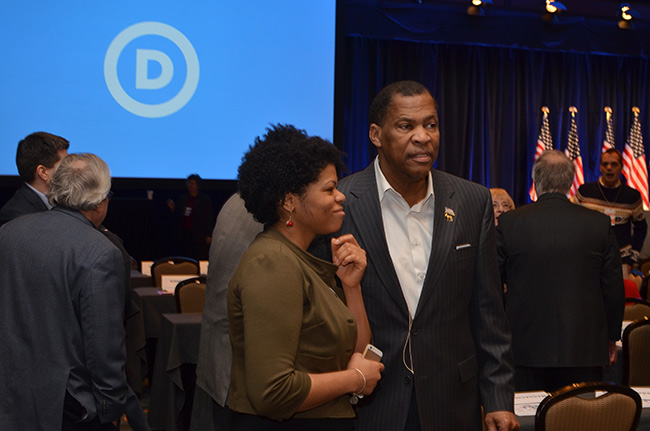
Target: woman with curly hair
x=296 y=335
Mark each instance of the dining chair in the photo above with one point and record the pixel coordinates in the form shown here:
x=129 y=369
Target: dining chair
x=645 y=268
x=636 y=353
x=174 y=265
x=588 y=407
x=190 y=295
x=636 y=309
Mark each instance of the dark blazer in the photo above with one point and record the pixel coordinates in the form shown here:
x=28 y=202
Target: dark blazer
x=24 y=201
x=565 y=295
x=459 y=337
x=61 y=320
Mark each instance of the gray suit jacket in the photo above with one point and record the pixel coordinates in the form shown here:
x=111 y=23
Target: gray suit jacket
x=61 y=315
x=233 y=233
x=460 y=340
x=24 y=201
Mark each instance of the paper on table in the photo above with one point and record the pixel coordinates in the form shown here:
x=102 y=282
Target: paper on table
x=145 y=267
x=526 y=403
x=168 y=282
x=624 y=325
x=644 y=391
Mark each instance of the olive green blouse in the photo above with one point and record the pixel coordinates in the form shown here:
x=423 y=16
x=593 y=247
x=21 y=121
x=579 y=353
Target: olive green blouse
x=287 y=319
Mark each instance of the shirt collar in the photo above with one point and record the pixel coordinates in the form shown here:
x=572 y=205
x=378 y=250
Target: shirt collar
x=618 y=184
x=383 y=185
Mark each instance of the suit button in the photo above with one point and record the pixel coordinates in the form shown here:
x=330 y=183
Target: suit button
x=407 y=380
x=414 y=332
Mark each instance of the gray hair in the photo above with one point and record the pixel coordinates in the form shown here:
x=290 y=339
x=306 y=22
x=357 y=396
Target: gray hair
x=553 y=172
x=81 y=182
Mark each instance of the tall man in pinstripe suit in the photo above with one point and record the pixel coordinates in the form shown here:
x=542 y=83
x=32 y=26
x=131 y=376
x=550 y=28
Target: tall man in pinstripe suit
x=431 y=289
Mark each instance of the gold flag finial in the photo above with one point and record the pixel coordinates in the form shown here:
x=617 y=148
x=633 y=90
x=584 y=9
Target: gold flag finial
x=608 y=112
x=636 y=111
x=545 y=110
x=573 y=110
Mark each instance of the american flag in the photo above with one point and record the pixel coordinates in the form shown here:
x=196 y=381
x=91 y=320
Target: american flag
x=609 y=133
x=544 y=142
x=573 y=153
x=634 y=165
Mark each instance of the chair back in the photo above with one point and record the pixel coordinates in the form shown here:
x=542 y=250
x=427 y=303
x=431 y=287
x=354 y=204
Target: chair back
x=174 y=265
x=636 y=353
x=638 y=309
x=645 y=268
x=190 y=295
x=576 y=408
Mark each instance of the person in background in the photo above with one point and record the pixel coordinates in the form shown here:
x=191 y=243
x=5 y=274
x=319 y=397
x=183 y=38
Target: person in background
x=565 y=294
x=501 y=202
x=62 y=310
x=621 y=203
x=432 y=287
x=296 y=335
x=37 y=157
x=195 y=219
x=234 y=231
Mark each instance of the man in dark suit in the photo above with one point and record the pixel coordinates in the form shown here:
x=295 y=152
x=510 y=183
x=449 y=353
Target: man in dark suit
x=61 y=312
x=36 y=158
x=431 y=288
x=565 y=295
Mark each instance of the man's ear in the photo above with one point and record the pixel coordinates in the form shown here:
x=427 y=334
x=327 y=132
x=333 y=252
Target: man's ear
x=41 y=172
x=374 y=133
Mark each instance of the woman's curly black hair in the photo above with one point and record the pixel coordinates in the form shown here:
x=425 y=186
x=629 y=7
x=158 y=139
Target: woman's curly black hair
x=284 y=160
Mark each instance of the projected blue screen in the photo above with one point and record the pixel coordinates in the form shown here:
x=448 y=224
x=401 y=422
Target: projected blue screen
x=163 y=89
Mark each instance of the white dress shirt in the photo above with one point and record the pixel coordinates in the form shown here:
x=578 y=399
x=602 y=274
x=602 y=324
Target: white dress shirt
x=409 y=231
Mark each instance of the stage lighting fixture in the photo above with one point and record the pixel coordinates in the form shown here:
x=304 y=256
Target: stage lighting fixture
x=627 y=16
x=552 y=10
x=476 y=9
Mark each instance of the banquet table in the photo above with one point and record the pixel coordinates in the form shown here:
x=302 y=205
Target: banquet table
x=142 y=331
x=174 y=376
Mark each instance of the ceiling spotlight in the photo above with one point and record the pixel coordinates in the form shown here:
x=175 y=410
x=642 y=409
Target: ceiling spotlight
x=553 y=9
x=476 y=9
x=627 y=16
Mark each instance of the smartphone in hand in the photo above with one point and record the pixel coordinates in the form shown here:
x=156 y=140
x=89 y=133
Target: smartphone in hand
x=372 y=353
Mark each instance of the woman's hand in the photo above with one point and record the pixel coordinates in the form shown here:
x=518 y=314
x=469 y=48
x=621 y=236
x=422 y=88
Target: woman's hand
x=350 y=258
x=371 y=371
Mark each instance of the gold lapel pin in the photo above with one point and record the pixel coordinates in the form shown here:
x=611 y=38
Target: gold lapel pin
x=449 y=214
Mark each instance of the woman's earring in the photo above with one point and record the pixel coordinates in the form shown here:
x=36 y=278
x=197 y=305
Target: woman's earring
x=289 y=223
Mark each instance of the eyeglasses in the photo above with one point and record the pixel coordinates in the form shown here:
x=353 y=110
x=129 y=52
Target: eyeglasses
x=109 y=196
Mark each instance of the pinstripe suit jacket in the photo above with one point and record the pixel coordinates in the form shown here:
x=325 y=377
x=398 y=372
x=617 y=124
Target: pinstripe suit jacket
x=460 y=338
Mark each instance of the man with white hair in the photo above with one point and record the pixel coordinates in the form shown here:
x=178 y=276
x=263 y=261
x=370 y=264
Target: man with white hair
x=565 y=294
x=62 y=345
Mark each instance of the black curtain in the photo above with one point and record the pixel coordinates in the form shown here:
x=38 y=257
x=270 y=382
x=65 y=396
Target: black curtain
x=490 y=97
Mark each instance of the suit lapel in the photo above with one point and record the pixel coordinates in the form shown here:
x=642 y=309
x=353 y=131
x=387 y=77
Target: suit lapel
x=445 y=218
x=365 y=212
